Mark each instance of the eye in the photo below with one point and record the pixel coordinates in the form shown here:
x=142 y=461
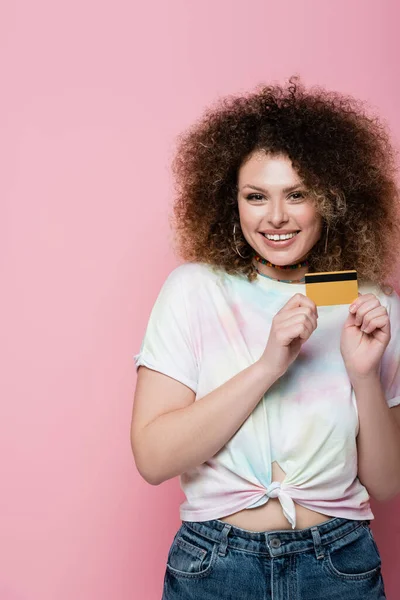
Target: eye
x=252 y=197
x=295 y=196
x=301 y=194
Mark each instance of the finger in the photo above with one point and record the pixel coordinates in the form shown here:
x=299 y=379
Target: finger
x=310 y=320
x=296 y=320
x=360 y=301
x=377 y=323
x=364 y=309
x=299 y=310
x=297 y=330
x=299 y=300
x=372 y=314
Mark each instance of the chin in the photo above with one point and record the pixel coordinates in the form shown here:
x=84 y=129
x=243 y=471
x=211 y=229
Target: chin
x=282 y=261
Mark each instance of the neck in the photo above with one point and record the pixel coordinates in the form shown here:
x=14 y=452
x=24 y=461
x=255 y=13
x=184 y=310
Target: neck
x=294 y=272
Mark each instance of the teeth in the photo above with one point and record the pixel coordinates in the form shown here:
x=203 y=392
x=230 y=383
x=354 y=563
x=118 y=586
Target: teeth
x=277 y=237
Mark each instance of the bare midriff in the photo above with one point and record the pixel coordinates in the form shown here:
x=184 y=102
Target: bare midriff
x=270 y=516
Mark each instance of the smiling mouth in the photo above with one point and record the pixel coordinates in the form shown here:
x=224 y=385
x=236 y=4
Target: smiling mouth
x=280 y=237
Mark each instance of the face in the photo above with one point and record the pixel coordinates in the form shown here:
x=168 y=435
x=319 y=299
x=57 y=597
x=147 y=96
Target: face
x=279 y=206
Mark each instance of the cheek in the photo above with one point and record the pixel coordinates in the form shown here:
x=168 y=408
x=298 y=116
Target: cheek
x=311 y=223
x=316 y=225
x=315 y=231
x=243 y=211
x=249 y=217
x=311 y=220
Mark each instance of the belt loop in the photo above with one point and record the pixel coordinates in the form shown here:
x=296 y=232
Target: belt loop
x=224 y=539
x=319 y=550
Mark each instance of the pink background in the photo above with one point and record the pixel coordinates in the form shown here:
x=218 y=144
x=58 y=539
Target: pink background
x=92 y=96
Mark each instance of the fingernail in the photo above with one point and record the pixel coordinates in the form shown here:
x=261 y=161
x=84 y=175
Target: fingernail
x=352 y=308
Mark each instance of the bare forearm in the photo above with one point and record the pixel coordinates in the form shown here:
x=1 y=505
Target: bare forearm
x=378 y=441
x=185 y=438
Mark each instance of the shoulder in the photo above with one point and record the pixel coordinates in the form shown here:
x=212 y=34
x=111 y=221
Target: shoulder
x=191 y=275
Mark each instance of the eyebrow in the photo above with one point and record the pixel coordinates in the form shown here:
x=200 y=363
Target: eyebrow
x=285 y=190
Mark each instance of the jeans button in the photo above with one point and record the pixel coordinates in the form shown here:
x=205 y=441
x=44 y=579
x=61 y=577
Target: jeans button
x=275 y=542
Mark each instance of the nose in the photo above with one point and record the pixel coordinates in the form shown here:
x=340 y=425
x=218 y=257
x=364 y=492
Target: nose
x=277 y=213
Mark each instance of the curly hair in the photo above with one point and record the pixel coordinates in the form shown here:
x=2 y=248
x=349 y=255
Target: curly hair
x=343 y=155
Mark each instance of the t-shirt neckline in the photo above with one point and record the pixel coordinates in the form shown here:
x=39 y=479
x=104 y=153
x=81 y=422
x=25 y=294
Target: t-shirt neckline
x=283 y=286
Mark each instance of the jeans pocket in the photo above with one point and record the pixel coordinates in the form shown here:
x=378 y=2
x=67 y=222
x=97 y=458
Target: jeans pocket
x=354 y=556
x=191 y=555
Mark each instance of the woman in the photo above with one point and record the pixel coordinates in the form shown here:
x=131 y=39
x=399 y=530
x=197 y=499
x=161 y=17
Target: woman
x=281 y=418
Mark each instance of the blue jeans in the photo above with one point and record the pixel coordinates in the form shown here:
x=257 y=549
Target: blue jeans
x=335 y=560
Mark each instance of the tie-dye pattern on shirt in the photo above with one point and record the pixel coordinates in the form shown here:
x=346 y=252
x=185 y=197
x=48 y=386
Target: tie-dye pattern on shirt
x=204 y=328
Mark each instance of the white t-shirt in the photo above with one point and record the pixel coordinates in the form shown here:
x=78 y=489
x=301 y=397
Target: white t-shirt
x=204 y=328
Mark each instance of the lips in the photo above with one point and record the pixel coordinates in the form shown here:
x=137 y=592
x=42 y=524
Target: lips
x=277 y=244
x=281 y=236
x=280 y=231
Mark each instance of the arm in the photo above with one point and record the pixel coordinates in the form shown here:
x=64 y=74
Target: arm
x=371 y=347
x=378 y=441
x=181 y=439
x=171 y=433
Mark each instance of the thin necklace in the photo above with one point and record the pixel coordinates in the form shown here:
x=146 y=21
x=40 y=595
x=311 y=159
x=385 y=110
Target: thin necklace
x=302 y=280
x=299 y=265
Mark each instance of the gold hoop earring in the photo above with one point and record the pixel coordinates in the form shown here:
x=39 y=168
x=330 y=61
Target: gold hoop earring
x=235 y=242
x=326 y=238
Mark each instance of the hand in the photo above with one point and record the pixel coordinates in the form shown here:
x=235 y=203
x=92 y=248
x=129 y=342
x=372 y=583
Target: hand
x=365 y=335
x=291 y=327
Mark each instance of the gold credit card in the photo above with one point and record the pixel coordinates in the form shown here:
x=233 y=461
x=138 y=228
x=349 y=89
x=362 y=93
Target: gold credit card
x=334 y=287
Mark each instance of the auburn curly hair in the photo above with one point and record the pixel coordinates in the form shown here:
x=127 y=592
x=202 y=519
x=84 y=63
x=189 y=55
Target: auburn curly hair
x=344 y=157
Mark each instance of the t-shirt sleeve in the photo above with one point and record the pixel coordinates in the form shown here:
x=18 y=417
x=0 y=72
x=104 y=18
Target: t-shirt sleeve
x=167 y=345
x=390 y=363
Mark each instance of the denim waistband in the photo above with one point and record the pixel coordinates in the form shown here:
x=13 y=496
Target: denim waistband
x=278 y=542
